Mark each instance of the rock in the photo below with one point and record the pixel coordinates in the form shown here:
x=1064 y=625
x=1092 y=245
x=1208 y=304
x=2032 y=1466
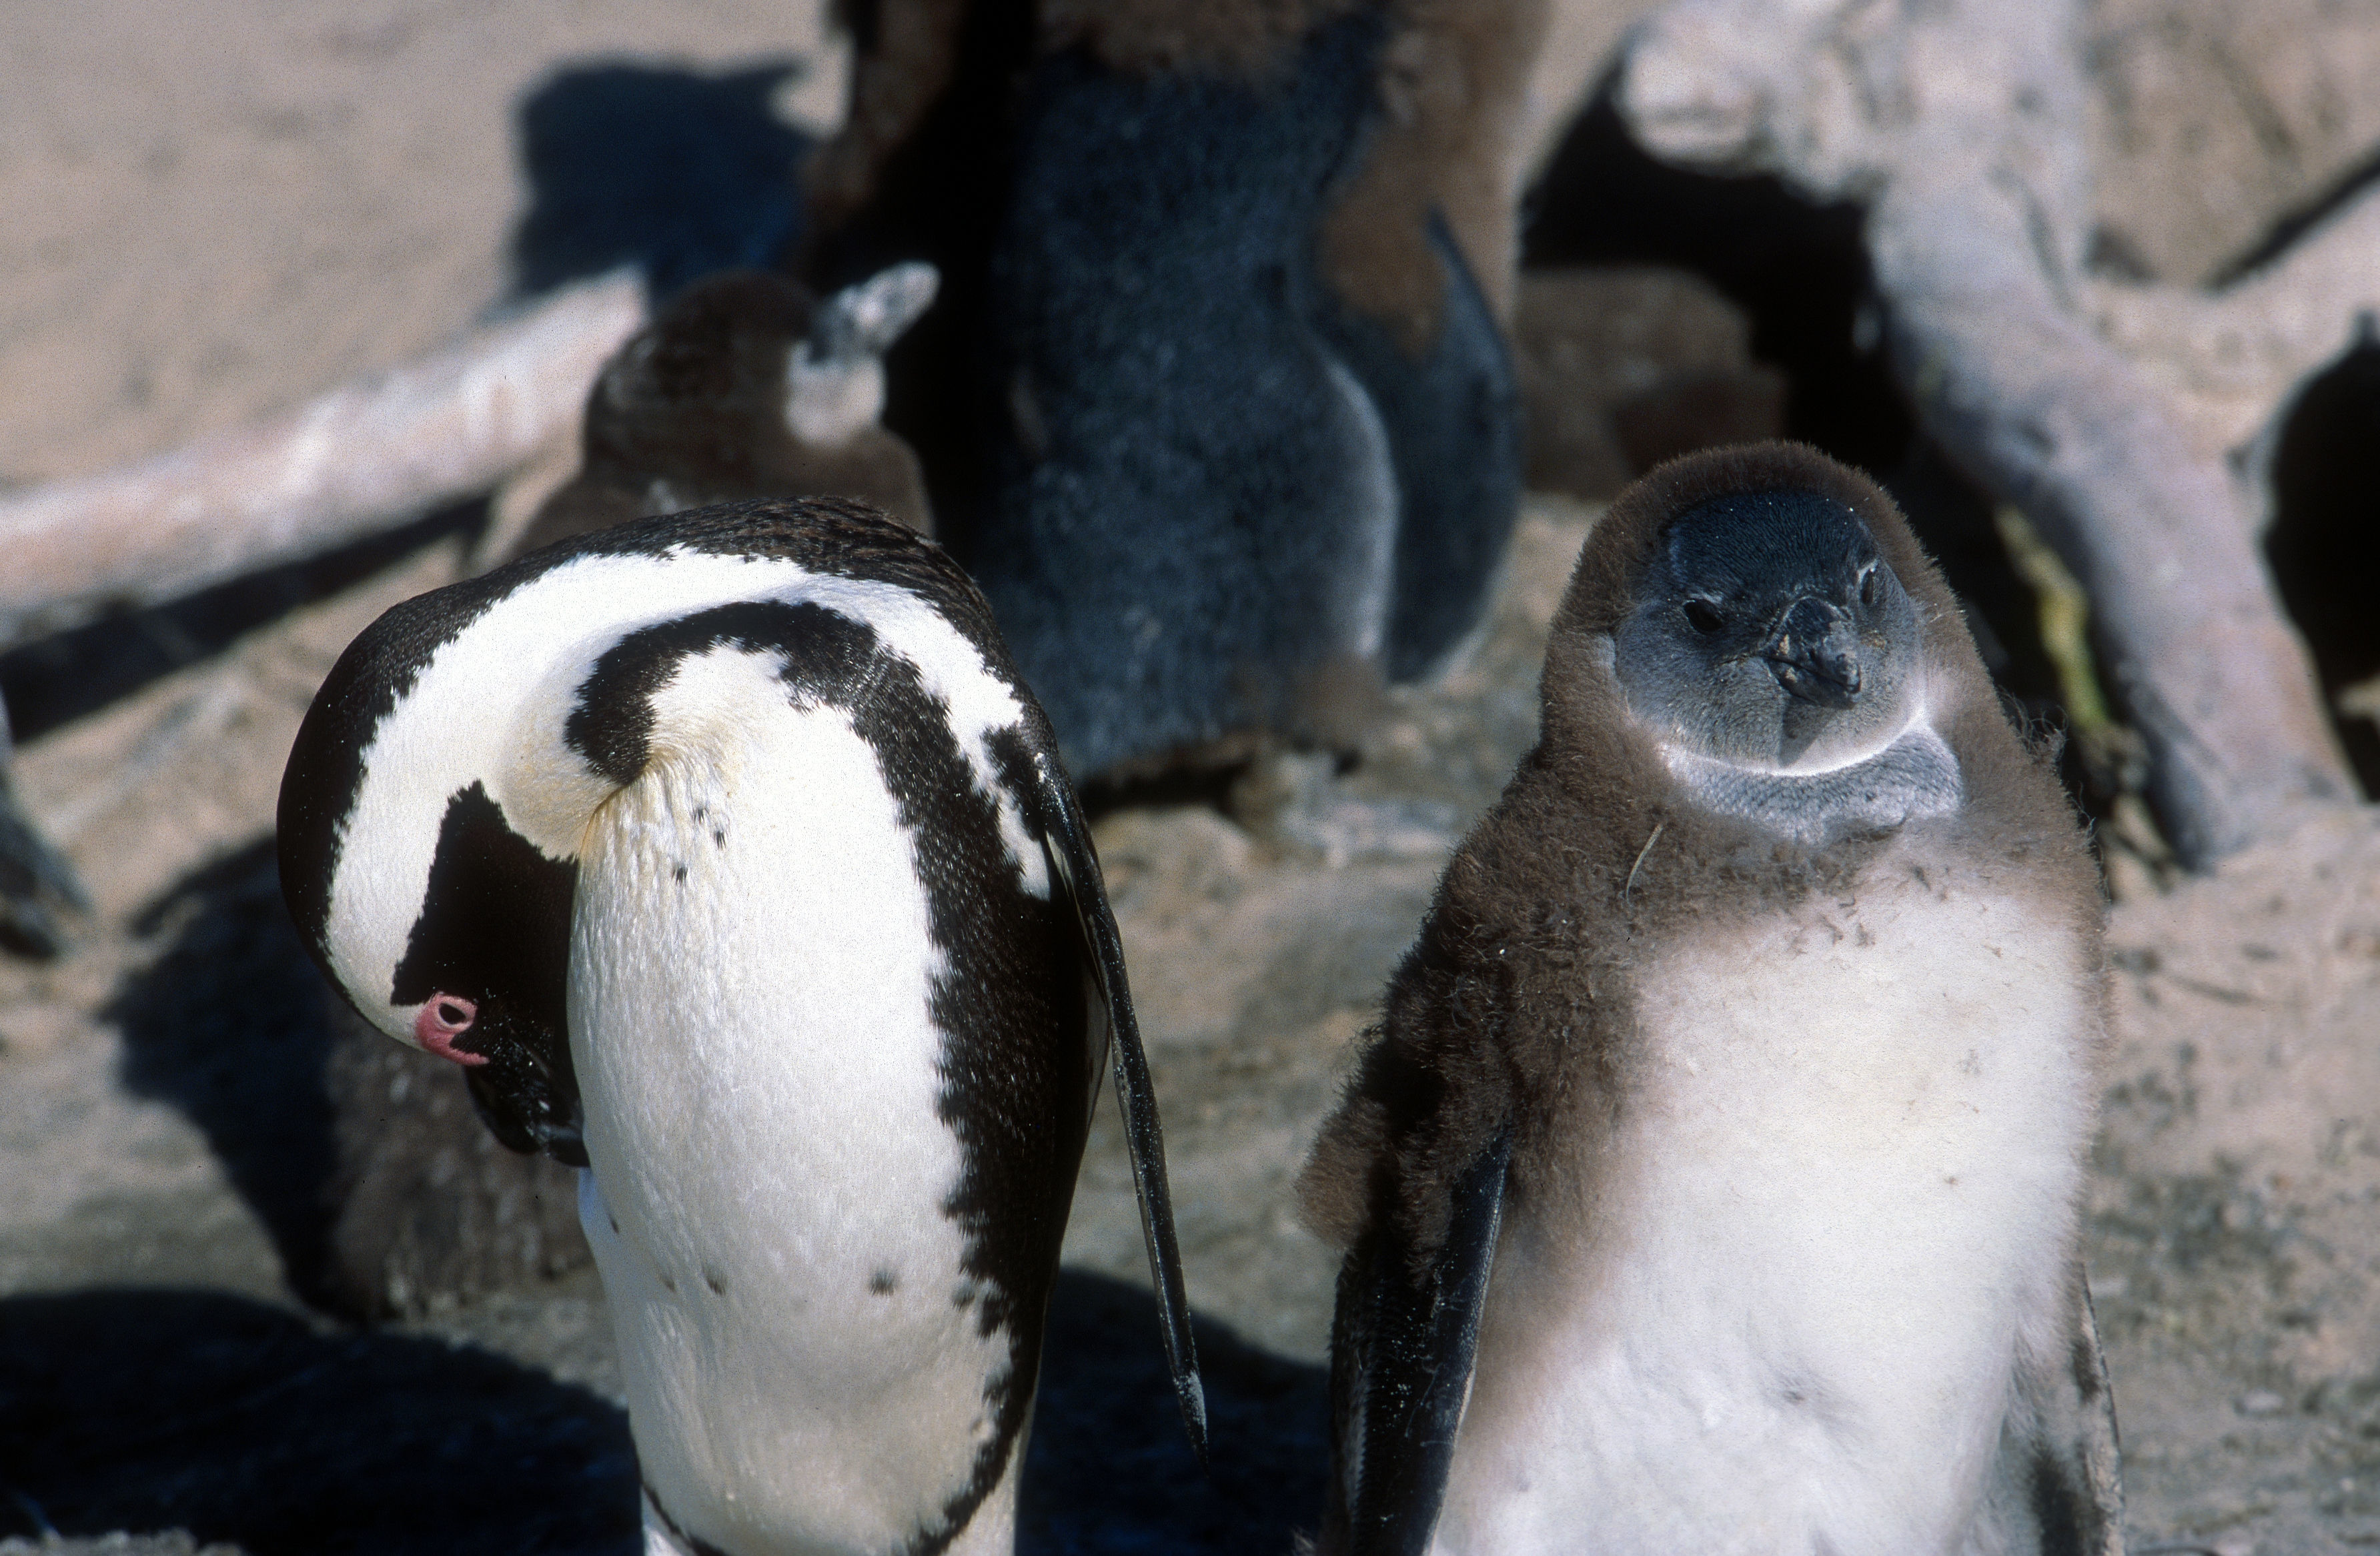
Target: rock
x=2232 y=1240
x=2211 y=123
x=1621 y=368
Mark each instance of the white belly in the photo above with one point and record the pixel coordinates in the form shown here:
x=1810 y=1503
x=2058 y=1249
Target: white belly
x=1846 y=1175
x=805 y=1370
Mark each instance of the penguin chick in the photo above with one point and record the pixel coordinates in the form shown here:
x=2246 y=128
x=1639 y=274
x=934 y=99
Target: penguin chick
x=1711 y=1181
x=727 y=856
x=747 y=386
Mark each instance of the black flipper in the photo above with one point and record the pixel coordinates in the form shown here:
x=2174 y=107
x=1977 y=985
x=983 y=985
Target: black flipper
x=1074 y=870
x=1401 y=1353
x=2056 y=1488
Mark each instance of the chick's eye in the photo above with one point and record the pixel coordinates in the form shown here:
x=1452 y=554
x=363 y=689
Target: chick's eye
x=1871 y=585
x=1704 y=617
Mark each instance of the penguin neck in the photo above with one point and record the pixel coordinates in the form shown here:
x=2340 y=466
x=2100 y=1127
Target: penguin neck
x=1914 y=776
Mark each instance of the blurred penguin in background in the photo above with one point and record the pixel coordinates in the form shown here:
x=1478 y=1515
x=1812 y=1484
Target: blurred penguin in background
x=746 y=386
x=1215 y=407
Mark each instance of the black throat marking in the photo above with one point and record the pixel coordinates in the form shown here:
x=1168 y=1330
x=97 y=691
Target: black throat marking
x=495 y=928
x=1010 y=1004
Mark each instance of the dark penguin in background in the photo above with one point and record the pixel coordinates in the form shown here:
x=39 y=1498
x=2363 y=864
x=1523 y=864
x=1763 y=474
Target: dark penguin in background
x=731 y=861
x=1712 y=1184
x=1216 y=409
x=747 y=386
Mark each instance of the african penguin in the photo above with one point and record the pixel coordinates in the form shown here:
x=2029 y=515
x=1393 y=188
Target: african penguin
x=1711 y=1183
x=747 y=386
x=1217 y=409
x=729 y=857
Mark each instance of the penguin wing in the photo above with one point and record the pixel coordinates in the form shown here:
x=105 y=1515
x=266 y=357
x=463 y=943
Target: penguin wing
x=2057 y=1487
x=1074 y=870
x=1404 y=1337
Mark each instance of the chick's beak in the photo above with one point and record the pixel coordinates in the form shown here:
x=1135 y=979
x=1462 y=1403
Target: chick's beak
x=1816 y=654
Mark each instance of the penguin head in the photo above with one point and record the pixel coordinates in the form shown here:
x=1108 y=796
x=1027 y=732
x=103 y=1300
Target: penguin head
x=1767 y=630
x=414 y=884
x=753 y=346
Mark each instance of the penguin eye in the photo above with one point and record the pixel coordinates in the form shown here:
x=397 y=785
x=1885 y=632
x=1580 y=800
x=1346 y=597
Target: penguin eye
x=1871 y=586
x=455 y=1014
x=1704 y=617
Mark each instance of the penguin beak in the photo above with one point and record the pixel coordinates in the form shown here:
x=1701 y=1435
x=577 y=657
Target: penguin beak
x=1815 y=654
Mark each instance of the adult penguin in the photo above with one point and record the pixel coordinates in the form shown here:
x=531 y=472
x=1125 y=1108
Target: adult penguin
x=1712 y=1182
x=745 y=385
x=729 y=857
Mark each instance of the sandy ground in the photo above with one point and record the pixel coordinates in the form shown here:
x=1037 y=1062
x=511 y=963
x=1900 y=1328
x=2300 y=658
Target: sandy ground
x=216 y=210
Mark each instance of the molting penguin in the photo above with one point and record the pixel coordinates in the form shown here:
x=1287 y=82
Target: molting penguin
x=747 y=386
x=1217 y=409
x=730 y=858
x=1711 y=1183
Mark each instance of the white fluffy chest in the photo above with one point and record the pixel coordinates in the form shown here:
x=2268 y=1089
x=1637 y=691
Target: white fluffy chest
x=1845 y=1172
x=751 y=974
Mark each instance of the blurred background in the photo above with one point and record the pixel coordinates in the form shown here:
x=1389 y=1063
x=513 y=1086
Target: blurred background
x=219 y=216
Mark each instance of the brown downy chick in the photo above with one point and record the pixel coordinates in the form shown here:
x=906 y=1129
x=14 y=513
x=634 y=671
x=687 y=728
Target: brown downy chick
x=747 y=386
x=1712 y=1184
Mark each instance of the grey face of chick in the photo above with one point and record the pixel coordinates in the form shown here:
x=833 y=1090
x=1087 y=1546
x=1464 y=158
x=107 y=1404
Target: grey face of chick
x=1768 y=634
x=834 y=379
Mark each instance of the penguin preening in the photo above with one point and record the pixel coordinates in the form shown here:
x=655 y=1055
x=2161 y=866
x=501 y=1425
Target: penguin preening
x=1216 y=409
x=730 y=858
x=747 y=386
x=1712 y=1184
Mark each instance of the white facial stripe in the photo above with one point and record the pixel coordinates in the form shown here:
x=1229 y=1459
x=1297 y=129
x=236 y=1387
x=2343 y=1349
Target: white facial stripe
x=830 y=402
x=490 y=707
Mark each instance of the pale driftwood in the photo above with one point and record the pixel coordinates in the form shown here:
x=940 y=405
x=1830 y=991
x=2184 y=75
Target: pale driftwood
x=2231 y=362
x=355 y=460
x=1960 y=125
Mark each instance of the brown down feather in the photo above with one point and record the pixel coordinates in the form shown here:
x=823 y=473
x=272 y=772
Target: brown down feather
x=1514 y=1008
x=695 y=400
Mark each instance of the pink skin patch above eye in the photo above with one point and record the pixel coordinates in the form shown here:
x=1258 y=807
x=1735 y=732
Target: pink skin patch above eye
x=444 y=1018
